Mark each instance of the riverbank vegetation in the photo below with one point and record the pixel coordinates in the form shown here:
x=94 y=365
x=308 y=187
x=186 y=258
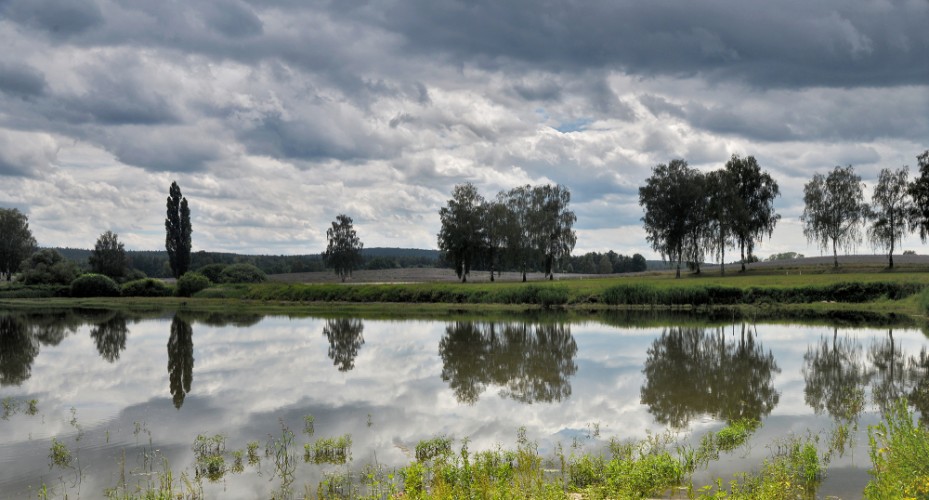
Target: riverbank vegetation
x=788 y=290
x=666 y=465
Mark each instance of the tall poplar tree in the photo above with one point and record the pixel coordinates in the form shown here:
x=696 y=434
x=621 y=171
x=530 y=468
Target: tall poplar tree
x=177 y=227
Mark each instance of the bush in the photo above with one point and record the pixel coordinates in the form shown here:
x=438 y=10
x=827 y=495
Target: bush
x=191 y=283
x=213 y=272
x=242 y=273
x=147 y=287
x=48 y=267
x=94 y=285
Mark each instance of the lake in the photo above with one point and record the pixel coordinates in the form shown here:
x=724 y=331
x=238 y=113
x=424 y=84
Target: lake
x=128 y=394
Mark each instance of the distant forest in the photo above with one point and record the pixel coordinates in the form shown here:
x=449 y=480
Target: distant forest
x=154 y=263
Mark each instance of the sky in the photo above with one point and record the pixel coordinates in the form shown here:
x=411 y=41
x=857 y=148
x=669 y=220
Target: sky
x=274 y=116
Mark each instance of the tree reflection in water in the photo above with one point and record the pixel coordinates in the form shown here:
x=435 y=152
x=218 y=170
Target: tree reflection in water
x=692 y=371
x=836 y=377
x=889 y=383
x=180 y=359
x=110 y=337
x=530 y=362
x=345 y=340
x=18 y=349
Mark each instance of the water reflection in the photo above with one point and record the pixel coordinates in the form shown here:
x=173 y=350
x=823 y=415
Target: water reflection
x=345 y=339
x=110 y=337
x=696 y=371
x=180 y=359
x=531 y=362
x=835 y=376
x=18 y=349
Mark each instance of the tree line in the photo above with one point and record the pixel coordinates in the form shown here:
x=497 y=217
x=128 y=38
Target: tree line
x=690 y=215
x=527 y=227
x=836 y=216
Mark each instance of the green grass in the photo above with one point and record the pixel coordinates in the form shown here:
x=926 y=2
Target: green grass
x=899 y=451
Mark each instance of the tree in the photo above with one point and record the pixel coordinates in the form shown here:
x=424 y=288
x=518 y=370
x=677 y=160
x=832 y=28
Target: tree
x=178 y=229
x=461 y=236
x=108 y=256
x=517 y=228
x=552 y=225
x=891 y=207
x=16 y=241
x=343 y=253
x=668 y=198
x=496 y=214
x=752 y=213
x=919 y=193
x=720 y=214
x=834 y=210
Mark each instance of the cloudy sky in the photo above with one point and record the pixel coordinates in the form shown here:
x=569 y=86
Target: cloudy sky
x=274 y=116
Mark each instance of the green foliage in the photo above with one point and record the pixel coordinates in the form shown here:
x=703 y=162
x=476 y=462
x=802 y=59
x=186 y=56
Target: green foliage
x=891 y=207
x=343 y=253
x=242 y=273
x=94 y=285
x=736 y=433
x=431 y=449
x=191 y=283
x=16 y=241
x=177 y=231
x=460 y=238
x=834 y=210
x=213 y=271
x=329 y=450
x=109 y=256
x=899 y=450
x=59 y=455
x=850 y=292
x=208 y=456
x=147 y=287
x=784 y=256
x=48 y=267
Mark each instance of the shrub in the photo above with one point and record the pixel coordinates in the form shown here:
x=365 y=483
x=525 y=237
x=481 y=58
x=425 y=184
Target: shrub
x=242 y=273
x=191 y=283
x=48 y=267
x=147 y=287
x=213 y=272
x=94 y=285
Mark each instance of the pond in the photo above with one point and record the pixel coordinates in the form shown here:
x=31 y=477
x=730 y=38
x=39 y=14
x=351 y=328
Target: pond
x=94 y=400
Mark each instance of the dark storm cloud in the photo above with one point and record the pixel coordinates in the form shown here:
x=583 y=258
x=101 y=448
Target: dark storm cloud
x=787 y=43
x=58 y=18
x=21 y=80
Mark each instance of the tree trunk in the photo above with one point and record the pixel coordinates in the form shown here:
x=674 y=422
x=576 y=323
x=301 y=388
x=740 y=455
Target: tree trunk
x=742 y=249
x=891 y=255
x=835 y=256
x=722 y=258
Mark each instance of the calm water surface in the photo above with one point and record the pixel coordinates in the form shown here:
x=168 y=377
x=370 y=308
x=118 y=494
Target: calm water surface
x=118 y=390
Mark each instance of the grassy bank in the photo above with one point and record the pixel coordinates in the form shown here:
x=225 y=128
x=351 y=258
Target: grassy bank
x=768 y=293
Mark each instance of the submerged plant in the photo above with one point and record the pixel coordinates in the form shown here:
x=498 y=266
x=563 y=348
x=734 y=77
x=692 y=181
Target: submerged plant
x=329 y=450
x=59 y=455
x=209 y=460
